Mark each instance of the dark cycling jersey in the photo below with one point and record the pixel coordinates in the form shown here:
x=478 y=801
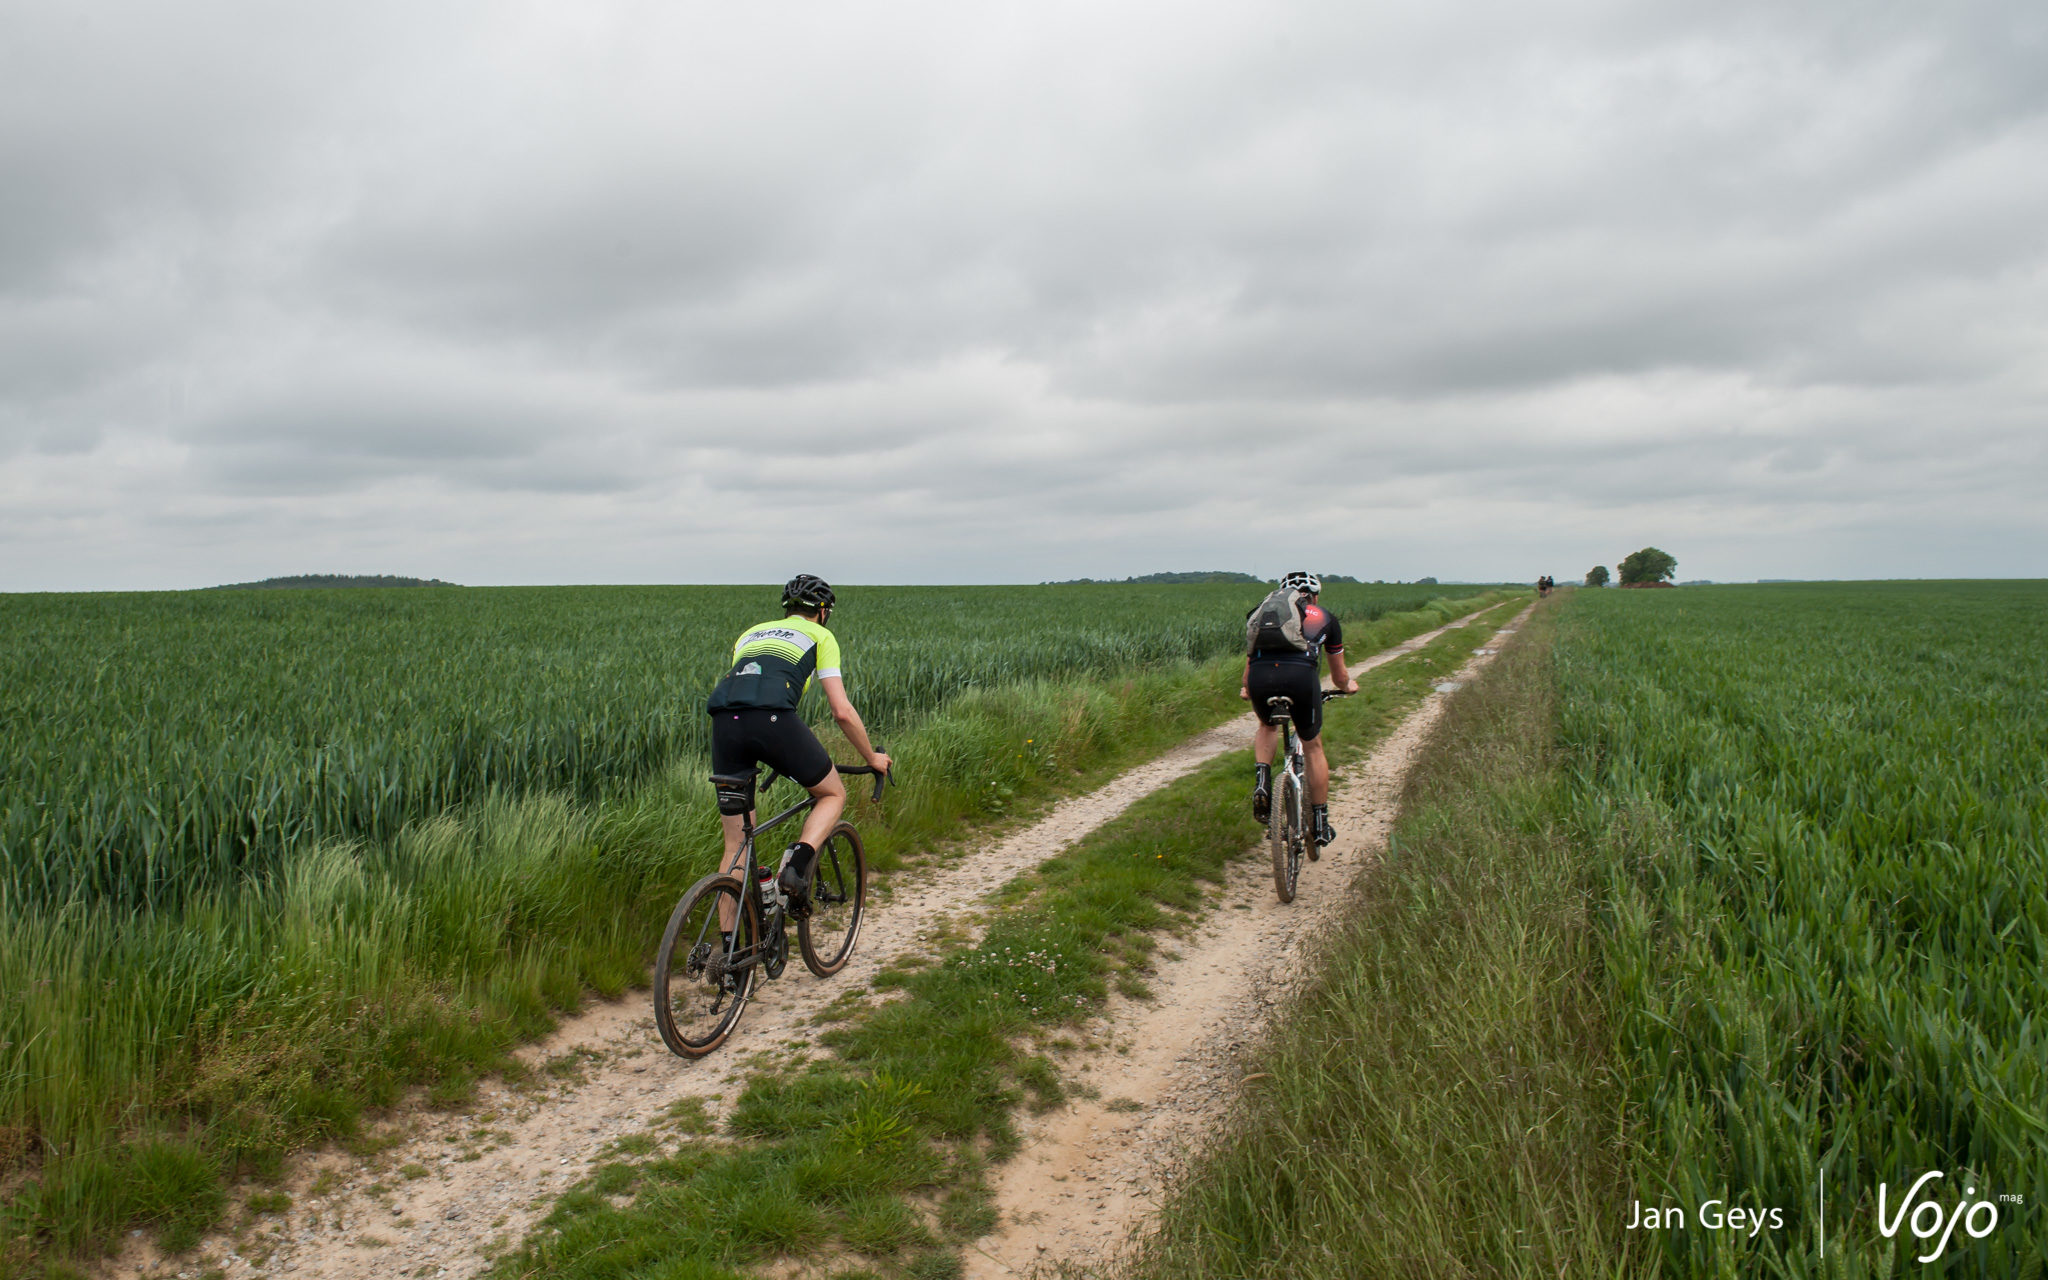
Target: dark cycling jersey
x=1319 y=627
x=773 y=664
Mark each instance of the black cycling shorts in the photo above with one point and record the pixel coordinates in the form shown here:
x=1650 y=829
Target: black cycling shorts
x=1297 y=680
x=742 y=737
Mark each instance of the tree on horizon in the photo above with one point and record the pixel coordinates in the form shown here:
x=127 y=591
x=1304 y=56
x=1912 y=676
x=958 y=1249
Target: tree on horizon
x=1647 y=565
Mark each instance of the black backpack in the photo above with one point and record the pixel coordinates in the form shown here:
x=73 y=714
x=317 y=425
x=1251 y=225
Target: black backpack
x=1275 y=626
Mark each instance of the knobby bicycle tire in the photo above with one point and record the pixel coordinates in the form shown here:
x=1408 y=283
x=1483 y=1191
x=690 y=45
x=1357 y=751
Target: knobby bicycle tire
x=685 y=984
x=1283 y=832
x=839 y=891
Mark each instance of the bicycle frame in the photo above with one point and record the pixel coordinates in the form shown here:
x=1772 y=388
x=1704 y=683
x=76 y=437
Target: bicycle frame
x=1292 y=759
x=748 y=830
x=742 y=865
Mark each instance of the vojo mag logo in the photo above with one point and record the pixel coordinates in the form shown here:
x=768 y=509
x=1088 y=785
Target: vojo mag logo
x=1929 y=1220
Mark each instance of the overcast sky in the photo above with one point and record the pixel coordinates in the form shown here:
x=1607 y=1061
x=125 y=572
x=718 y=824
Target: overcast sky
x=943 y=292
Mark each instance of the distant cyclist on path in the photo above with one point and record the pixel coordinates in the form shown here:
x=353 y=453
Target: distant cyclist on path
x=1285 y=635
x=754 y=721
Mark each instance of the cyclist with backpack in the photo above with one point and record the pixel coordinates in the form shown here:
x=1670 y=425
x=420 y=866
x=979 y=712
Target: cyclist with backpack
x=754 y=721
x=1285 y=636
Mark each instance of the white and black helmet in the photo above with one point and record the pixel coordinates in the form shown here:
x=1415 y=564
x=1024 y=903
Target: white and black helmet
x=1302 y=580
x=807 y=591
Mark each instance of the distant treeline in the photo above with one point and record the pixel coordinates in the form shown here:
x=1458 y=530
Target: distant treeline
x=335 y=580
x=1209 y=575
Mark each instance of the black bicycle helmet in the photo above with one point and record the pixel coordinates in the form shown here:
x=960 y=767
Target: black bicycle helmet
x=808 y=591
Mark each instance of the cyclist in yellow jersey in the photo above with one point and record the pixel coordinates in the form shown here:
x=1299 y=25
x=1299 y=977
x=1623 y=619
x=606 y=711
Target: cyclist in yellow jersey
x=754 y=721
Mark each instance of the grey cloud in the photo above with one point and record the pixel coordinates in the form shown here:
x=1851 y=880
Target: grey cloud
x=121 y=120
x=1023 y=294
x=341 y=423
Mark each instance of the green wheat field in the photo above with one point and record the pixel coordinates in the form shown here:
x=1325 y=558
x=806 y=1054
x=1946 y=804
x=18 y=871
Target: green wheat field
x=268 y=858
x=1696 y=893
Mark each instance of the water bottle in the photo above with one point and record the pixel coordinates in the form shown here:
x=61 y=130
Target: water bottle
x=764 y=881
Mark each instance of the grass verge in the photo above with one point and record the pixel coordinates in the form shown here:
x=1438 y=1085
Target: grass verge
x=871 y=1163
x=1440 y=1100
x=146 y=1055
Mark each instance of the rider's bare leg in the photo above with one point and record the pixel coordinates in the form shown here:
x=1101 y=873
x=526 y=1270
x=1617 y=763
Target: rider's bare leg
x=1318 y=771
x=734 y=835
x=1264 y=741
x=818 y=823
x=830 y=794
x=824 y=816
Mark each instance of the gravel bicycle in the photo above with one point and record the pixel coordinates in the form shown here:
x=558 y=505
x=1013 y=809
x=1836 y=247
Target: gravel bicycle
x=729 y=929
x=1288 y=830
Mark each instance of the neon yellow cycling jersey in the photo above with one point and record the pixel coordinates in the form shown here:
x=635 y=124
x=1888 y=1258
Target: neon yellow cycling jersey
x=773 y=663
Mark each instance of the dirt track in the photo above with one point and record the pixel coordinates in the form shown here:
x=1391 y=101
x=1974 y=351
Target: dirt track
x=454 y=1187
x=1089 y=1173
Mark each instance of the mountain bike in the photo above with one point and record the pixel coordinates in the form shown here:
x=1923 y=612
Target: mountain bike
x=1287 y=827
x=731 y=930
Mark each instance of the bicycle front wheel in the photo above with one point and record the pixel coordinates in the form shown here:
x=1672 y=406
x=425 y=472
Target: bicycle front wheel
x=1283 y=833
x=701 y=975
x=839 y=889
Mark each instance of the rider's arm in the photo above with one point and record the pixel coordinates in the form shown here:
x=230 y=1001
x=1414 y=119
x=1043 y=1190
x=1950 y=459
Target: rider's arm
x=849 y=721
x=1244 y=686
x=1340 y=675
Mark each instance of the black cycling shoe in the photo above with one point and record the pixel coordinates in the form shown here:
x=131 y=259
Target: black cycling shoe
x=1262 y=804
x=797 y=888
x=1325 y=834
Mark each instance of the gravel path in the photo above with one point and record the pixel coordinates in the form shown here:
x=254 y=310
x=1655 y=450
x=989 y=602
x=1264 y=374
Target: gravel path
x=454 y=1188
x=1089 y=1173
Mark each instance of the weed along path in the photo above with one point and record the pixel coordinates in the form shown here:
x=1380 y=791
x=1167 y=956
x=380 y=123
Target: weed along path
x=1089 y=1172
x=448 y=1191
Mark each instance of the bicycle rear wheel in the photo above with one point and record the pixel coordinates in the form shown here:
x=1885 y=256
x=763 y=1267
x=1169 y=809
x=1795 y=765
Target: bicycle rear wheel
x=698 y=995
x=1283 y=832
x=839 y=890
